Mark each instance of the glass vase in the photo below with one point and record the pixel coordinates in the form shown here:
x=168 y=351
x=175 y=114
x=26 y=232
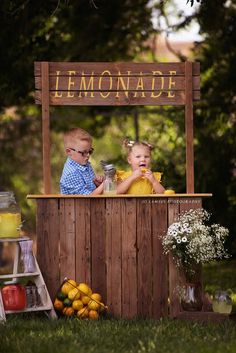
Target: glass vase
x=191 y=299
x=191 y=296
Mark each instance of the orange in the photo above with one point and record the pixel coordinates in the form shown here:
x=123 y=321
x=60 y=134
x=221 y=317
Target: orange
x=93 y=314
x=58 y=304
x=68 y=311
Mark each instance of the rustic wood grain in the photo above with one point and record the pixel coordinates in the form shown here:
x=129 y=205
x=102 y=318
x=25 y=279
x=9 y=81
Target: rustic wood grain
x=112 y=99
x=113 y=254
x=114 y=83
x=46 y=128
x=160 y=261
x=48 y=243
x=144 y=244
x=67 y=239
x=82 y=241
x=98 y=67
x=129 y=258
x=174 y=309
x=98 y=247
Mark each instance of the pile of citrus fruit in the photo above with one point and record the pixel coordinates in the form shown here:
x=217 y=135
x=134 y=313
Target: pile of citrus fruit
x=78 y=299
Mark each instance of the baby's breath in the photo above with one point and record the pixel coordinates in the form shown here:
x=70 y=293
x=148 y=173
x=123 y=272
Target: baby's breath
x=192 y=241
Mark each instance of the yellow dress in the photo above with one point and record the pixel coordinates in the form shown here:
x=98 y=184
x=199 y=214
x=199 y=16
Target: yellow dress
x=140 y=186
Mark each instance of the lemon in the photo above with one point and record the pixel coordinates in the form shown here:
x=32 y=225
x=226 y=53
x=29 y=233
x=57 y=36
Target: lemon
x=93 y=314
x=83 y=313
x=74 y=294
x=169 y=192
x=67 y=286
x=85 y=299
x=93 y=305
x=97 y=297
x=77 y=304
x=85 y=289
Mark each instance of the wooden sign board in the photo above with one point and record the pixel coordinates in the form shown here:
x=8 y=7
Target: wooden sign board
x=117 y=84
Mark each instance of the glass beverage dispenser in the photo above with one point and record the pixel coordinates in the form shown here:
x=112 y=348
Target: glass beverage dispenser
x=10 y=216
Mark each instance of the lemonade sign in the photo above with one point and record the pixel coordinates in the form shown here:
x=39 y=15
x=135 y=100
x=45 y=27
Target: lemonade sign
x=77 y=299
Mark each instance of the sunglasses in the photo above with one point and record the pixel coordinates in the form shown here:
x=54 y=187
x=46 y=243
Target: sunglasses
x=83 y=153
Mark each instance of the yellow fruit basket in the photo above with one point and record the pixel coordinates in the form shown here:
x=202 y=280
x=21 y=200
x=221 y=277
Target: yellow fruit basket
x=77 y=299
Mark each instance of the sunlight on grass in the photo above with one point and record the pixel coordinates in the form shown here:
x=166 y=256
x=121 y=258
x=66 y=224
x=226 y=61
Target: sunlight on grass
x=72 y=335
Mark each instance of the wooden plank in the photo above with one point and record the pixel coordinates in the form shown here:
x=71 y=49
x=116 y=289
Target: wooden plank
x=46 y=128
x=98 y=247
x=189 y=128
x=160 y=261
x=174 y=309
x=78 y=83
x=48 y=243
x=206 y=316
x=82 y=241
x=98 y=67
x=67 y=239
x=144 y=245
x=113 y=253
x=129 y=258
x=110 y=98
x=189 y=203
x=103 y=196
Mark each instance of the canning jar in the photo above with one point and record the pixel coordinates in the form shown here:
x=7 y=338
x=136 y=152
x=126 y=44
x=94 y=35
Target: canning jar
x=10 y=216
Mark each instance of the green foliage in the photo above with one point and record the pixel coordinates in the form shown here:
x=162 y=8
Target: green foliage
x=55 y=31
x=215 y=116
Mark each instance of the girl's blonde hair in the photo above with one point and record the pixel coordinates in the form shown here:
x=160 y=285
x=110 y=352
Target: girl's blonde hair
x=129 y=144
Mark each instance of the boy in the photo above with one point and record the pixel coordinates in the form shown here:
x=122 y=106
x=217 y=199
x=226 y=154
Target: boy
x=78 y=176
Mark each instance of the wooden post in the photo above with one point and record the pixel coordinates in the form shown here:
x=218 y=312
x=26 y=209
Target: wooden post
x=189 y=127
x=46 y=128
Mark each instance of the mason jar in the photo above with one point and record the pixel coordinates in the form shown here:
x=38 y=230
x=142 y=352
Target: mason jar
x=10 y=216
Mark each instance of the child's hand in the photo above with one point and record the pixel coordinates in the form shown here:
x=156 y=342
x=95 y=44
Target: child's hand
x=149 y=175
x=137 y=173
x=98 y=180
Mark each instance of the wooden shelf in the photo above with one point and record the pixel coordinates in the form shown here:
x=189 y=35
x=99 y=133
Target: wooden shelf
x=38 y=281
x=205 y=316
x=27 y=310
x=19 y=275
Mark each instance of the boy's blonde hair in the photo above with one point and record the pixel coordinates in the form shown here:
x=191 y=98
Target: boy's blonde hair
x=73 y=135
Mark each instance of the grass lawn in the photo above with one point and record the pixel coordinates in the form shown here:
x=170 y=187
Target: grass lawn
x=36 y=334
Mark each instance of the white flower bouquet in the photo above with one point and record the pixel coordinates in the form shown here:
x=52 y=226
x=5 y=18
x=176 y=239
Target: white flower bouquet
x=191 y=240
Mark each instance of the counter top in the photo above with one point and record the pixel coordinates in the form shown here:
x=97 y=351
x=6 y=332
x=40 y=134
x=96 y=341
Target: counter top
x=60 y=196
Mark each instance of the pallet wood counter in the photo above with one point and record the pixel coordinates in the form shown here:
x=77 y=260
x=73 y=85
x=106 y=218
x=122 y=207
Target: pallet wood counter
x=113 y=244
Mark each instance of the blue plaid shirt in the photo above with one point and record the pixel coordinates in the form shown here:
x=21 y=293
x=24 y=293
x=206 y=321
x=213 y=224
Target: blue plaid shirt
x=77 y=178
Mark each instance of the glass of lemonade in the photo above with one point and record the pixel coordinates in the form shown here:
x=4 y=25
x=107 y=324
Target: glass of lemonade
x=222 y=302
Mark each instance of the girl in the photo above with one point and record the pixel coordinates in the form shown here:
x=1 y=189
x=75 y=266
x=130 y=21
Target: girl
x=140 y=180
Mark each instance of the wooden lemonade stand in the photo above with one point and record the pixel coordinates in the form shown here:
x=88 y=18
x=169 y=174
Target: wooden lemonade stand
x=113 y=242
